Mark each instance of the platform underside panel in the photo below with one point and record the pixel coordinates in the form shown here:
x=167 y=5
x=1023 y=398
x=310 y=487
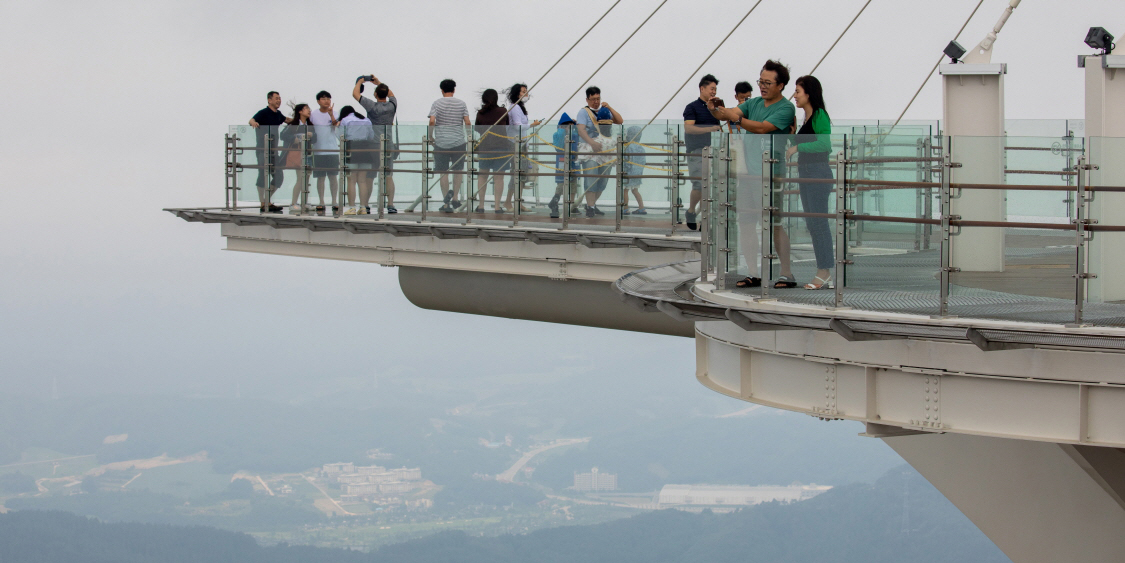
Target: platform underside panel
x=1039 y=502
x=574 y=302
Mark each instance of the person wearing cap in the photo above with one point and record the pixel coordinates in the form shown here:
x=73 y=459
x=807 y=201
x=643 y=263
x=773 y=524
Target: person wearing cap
x=566 y=133
x=590 y=119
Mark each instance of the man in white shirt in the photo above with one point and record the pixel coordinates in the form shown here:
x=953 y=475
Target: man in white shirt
x=326 y=148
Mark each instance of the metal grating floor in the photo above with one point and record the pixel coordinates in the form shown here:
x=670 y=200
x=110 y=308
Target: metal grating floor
x=908 y=283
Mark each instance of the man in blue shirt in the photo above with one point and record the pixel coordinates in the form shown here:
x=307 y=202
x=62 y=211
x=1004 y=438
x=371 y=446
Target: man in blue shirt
x=770 y=114
x=699 y=124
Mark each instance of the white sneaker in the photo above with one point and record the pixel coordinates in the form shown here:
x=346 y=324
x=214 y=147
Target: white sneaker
x=310 y=207
x=295 y=209
x=350 y=210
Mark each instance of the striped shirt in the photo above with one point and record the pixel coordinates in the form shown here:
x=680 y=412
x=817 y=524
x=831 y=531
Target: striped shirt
x=449 y=119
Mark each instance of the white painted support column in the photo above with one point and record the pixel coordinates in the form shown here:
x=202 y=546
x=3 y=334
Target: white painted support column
x=973 y=110
x=1039 y=502
x=1105 y=117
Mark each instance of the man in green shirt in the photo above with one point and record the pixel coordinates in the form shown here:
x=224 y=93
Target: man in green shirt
x=770 y=114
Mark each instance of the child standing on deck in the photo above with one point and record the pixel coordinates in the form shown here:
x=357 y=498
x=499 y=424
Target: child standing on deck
x=634 y=161
x=559 y=141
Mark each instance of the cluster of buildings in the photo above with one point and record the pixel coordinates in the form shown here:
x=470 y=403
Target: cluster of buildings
x=373 y=483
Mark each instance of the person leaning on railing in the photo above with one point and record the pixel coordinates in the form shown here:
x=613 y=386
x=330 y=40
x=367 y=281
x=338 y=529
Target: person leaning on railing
x=812 y=145
x=266 y=122
x=770 y=114
x=698 y=126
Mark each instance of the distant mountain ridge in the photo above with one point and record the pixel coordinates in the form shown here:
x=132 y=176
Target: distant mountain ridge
x=899 y=518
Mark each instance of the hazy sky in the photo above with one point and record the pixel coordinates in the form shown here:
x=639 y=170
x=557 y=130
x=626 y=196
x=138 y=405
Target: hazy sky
x=119 y=110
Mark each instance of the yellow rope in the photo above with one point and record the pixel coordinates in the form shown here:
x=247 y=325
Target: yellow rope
x=647 y=146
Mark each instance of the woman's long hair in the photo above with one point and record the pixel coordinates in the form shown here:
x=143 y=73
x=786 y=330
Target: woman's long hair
x=297 y=109
x=514 y=96
x=488 y=101
x=812 y=89
x=349 y=110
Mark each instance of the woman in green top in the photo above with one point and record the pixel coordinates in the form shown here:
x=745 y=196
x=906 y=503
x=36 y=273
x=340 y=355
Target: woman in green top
x=812 y=146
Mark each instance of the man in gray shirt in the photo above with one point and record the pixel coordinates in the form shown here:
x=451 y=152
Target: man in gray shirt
x=449 y=119
x=381 y=112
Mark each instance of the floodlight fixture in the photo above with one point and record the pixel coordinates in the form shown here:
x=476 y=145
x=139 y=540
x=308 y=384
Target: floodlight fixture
x=1099 y=38
x=954 y=51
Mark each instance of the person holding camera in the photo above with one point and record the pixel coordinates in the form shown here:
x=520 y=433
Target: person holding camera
x=381 y=113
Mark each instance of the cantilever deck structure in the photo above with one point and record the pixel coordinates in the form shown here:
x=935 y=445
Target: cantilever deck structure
x=981 y=343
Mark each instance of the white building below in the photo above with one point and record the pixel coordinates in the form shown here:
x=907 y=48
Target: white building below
x=732 y=496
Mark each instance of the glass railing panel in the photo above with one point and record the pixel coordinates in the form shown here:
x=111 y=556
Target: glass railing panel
x=263 y=180
x=749 y=190
x=543 y=172
x=597 y=160
x=249 y=160
x=1012 y=249
x=804 y=234
x=726 y=157
x=651 y=196
x=1105 y=294
x=533 y=163
x=493 y=156
x=409 y=181
x=448 y=187
x=890 y=240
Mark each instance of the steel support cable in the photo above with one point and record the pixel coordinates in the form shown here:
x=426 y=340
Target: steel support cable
x=536 y=83
x=611 y=55
x=817 y=65
x=932 y=70
x=692 y=75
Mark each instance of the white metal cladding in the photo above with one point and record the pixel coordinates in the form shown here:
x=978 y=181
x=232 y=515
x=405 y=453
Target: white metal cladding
x=474 y=254
x=773 y=369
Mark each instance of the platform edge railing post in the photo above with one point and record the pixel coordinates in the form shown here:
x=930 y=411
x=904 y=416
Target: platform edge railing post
x=427 y=173
x=722 y=219
x=620 y=204
x=230 y=193
x=704 y=218
x=381 y=197
x=568 y=177
x=344 y=174
x=767 y=218
x=306 y=156
x=946 y=251
x=471 y=177
x=841 y=225
x=1082 y=214
x=517 y=178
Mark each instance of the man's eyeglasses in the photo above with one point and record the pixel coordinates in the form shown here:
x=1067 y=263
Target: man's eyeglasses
x=765 y=83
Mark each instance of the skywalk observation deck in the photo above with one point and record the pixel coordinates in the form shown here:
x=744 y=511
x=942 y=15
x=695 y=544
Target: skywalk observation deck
x=975 y=320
